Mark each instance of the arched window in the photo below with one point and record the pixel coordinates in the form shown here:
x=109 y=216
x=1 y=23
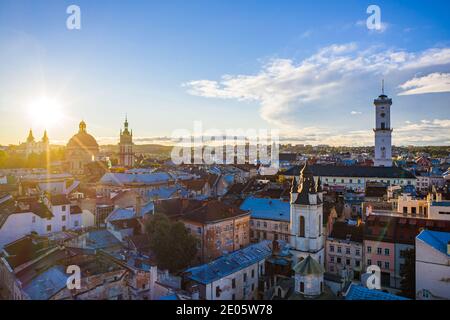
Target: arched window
x=301 y=229
x=302 y=287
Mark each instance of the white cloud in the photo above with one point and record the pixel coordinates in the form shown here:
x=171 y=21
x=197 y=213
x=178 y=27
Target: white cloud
x=283 y=86
x=434 y=82
x=306 y=34
x=424 y=132
x=354 y=113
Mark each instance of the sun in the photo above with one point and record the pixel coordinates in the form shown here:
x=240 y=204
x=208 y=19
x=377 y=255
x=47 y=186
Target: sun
x=45 y=112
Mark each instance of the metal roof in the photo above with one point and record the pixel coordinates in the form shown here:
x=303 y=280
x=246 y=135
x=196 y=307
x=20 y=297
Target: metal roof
x=269 y=209
x=357 y=292
x=230 y=263
x=354 y=171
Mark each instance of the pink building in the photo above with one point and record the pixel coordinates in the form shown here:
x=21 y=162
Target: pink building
x=381 y=254
x=379 y=247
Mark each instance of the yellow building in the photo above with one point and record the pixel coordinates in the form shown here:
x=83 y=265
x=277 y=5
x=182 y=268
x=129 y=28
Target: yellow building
x=81 y=150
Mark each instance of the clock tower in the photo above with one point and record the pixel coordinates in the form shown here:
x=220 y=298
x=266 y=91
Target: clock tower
x=383 y=130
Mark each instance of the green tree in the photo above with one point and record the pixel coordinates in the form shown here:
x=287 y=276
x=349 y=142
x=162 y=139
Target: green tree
x=408 y=274
x=172 y=244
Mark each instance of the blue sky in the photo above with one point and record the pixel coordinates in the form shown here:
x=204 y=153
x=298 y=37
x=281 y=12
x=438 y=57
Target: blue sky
x=308 y=68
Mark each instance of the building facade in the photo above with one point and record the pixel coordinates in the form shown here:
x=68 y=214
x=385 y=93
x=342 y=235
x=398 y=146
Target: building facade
x=126 y=155
x=220 y=229
x=44 y=215
x=356 y=178
x=269 y=218
x=344 y=250
x=231 y=277
x=36 y=147
x=433 y=265
x=81 y=149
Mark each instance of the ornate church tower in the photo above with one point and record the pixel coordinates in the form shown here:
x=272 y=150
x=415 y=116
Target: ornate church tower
x=45 y=141
x=30 y=144
x=383 y=131
x=126 y=155
x=306 y=229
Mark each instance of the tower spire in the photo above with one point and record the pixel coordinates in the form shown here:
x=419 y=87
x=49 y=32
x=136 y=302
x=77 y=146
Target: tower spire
x=382 y=86
x=126 y=122
x=30 y=136
x=45 y=137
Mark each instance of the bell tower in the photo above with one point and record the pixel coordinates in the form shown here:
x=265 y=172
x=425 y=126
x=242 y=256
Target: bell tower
x=126 y=155
x=383 y=131
x=306 y=225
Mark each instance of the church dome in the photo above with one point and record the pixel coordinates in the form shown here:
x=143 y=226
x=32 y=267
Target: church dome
x=82 y=140
x=308 y=266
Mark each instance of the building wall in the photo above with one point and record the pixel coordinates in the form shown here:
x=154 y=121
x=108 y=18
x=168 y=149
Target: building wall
x=9 y=286
x=412 y=206
x=216 y=238
x=386 y=262
x=78 y=159
x=243 y=290
x=432 y=273
x=439 y=212
x=264 y=229
x=383 y=139
x=399 y=261
x=344 y=255
x=20 y=224
x=314 y=239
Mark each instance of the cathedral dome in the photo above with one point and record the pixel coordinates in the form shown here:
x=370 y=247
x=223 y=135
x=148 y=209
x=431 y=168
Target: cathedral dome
x=82 y=140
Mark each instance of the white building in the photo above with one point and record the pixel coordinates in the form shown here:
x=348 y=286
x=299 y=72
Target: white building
x=438 y=209
x=383 y=131
x=433 y=265
x=306 y=218
x=54 y=183
x=231 y=277
x=36 y=147
x=44 y=215
x=309 y=278
x=341 y=178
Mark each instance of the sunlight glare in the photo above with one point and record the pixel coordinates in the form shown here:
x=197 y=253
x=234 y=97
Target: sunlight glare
x=45 y=112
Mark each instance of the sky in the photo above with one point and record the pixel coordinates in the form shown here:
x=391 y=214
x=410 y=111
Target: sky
x=310 y=69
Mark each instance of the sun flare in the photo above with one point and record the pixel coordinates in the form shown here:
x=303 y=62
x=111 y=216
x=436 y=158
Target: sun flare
x=45 y=112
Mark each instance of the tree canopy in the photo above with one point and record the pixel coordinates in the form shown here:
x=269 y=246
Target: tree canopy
x=174 y=247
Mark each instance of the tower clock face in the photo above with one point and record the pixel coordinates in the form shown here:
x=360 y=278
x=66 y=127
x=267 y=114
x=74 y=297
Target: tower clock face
x=382 y=114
